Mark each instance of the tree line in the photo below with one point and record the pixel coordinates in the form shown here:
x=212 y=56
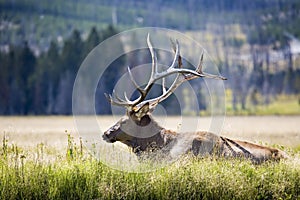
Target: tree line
x=40 y=20
x=43 y=84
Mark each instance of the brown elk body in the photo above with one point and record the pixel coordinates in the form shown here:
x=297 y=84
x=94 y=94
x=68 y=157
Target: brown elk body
x=138 y=130
x=200 y=143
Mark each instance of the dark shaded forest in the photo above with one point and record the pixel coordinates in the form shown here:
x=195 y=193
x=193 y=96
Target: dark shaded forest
x=44 y=43
x=43 y=84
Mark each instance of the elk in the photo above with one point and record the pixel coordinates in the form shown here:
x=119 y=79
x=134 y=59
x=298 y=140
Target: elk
x=135 y=127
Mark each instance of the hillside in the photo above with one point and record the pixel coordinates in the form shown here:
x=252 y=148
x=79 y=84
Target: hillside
x=39 y=22
x=255 y=44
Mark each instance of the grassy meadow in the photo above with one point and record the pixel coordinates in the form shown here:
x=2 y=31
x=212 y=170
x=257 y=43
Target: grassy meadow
x=279 y=105
x=67 y=170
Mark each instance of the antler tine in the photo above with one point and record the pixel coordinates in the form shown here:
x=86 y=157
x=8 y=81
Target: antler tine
x=182 y=75
x=116 y=96
x=179 y=61
x=108 y=97
x=174 y=44
x=113 y=102
x=163 y=83
x=177 y=54
x=133 y=81
x=199 y=68
x=153 y=57
x=175 y=84
x=206 y=75
x=203 y=74
x=166 y=93
x=126 y=98
x=143 y=92
x=171 y=70
x=116 y=100
x=180 y=78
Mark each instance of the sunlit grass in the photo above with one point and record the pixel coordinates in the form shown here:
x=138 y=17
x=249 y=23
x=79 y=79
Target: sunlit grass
x=39 y=173
x=279 y=105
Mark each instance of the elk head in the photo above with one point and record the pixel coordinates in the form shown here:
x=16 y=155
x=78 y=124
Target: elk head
x=137 y=128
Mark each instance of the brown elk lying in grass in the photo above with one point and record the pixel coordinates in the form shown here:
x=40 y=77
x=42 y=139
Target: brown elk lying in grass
x=136 y=126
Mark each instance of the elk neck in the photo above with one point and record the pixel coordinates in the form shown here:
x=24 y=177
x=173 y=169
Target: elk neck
x=159 y=140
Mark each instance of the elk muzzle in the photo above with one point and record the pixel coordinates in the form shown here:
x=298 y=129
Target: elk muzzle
x=111 y=134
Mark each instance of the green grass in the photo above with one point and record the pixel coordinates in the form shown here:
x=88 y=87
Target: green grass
x=279 y=105
x=39 y=173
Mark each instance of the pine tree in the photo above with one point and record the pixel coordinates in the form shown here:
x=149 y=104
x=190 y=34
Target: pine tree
x=92 y=41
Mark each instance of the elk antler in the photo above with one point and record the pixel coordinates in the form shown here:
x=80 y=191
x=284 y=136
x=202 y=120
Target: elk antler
x=182 y=76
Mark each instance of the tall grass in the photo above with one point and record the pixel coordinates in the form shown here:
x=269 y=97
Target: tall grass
x=41 y=173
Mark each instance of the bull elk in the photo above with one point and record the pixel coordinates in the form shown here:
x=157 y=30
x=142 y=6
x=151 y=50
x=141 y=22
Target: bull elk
x=137 y=124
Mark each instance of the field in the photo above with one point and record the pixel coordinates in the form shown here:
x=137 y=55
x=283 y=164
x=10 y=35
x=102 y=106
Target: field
x=43 y=158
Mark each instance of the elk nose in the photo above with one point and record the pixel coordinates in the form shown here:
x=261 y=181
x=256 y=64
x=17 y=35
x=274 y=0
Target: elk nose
x=106 y=133
x=104 y=137
x=107 y=137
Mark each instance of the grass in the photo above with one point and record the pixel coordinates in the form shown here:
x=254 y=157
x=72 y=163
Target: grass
x=282 y=105
x=279 y=105
x=40 y=173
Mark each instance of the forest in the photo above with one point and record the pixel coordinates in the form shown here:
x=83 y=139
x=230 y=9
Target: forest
x=43 y=43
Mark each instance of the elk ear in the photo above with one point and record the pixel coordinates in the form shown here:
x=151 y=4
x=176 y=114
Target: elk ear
x=142 y=111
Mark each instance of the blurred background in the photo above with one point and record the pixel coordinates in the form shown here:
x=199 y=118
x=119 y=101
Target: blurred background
x=255 y=44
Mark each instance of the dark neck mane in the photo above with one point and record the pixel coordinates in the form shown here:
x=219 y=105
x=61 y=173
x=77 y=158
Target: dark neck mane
x=158 y=141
